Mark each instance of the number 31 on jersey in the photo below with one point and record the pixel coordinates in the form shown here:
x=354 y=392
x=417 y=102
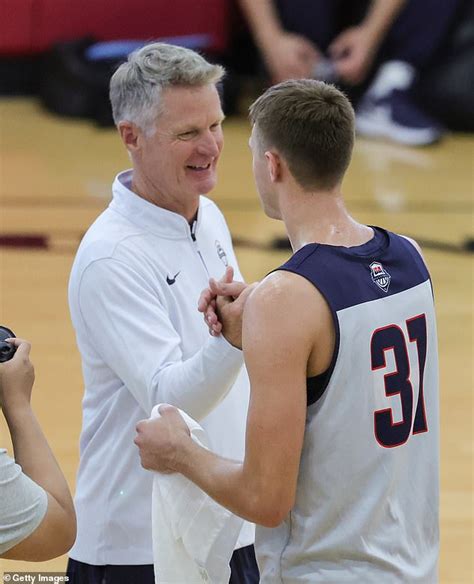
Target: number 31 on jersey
x=392 y=338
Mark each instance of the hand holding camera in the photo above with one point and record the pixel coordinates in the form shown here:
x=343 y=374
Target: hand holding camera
x=7 y=350
x=17 y=373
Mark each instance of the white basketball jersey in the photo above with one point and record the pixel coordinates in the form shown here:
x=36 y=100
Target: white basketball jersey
x=366 y=508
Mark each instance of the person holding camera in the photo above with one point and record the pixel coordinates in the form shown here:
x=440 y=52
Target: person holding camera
x=37 y=517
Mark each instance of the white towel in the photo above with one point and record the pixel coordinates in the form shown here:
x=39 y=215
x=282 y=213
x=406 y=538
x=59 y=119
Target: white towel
x=193 y=536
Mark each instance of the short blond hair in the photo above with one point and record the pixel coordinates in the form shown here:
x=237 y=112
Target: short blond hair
x=311 y=124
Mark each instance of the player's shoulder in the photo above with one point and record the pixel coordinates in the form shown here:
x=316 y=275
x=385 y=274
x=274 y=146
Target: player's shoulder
x=286 y=293
x=285 y=309
x=416 y=245
x=413 y=242
x=279 y=283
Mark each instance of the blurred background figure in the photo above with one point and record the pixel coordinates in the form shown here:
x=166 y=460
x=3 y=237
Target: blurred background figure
x=379 y=46
x=406 y=64
x=37 y=518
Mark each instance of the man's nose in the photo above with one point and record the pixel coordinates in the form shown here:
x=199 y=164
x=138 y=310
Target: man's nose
x=209 y=144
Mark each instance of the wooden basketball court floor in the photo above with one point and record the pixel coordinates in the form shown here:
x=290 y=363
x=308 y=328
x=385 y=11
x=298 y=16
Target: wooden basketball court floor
x=55 y=178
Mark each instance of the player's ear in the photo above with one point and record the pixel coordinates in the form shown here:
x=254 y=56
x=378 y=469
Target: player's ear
x=273 y=165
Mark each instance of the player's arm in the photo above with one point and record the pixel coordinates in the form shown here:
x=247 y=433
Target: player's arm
x=278 y=338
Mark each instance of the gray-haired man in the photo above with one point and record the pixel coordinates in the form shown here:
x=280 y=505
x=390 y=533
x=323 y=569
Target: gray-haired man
x=133 y=293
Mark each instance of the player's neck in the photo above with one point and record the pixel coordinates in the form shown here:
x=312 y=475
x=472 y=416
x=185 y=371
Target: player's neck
x=322 y=217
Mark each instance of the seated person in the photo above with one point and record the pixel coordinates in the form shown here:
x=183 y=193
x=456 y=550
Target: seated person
x=387 y=45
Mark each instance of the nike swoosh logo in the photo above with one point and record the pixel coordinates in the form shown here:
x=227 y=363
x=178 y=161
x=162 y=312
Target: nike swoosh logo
x=171 y=281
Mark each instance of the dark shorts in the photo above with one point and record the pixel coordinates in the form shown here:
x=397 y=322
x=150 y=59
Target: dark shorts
x=243 y=567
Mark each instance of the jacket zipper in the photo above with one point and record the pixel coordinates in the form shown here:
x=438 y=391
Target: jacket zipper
x=193 y=237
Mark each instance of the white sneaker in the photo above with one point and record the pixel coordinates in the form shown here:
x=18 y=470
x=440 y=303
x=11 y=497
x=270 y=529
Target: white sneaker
x=387 y=110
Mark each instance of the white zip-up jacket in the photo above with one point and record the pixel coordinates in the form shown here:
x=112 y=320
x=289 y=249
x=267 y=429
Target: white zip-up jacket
x=133 y=294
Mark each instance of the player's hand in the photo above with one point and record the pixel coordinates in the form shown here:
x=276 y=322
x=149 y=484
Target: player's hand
x=229 y=313
x=290 y=56
x=160 y=439
x=353 y=52
x=17 y=377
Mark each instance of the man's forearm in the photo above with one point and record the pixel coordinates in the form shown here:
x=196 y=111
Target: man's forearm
x=199 y=384
x=33 y=454
x=263 y=20
x=145 y=352
x=380 y=17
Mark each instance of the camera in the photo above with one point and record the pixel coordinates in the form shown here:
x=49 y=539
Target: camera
x=6 y=349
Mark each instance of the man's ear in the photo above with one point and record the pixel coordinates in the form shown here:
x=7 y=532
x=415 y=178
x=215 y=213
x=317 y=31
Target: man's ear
x=129 y=133
x=274 y=165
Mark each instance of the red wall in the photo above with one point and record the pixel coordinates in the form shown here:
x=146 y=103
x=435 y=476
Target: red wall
x=30 y=26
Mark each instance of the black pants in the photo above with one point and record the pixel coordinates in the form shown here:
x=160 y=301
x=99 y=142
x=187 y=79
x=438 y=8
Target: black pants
x=243 y=567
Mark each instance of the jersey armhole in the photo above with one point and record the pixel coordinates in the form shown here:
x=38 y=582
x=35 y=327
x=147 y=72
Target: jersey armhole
x=326 y=375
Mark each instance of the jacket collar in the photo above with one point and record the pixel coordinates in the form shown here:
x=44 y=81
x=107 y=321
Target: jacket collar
x=146 y=215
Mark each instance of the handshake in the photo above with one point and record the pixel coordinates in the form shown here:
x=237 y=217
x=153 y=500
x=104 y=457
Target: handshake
x=222 y=304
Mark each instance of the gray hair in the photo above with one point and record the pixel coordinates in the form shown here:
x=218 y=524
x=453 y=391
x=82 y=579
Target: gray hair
x=136 y=86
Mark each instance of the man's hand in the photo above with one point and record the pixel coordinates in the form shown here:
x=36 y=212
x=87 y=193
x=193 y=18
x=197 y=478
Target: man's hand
x=16 y=378
x=290 y=56
x=355 y=48
x=353 y=52
x=160 y=440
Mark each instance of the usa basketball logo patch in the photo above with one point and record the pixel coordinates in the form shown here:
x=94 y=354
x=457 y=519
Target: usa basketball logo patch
x=221 y=253
x=380 y=276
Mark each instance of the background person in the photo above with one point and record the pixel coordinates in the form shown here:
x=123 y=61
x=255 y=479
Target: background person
x=37 y=518
x=393 y=40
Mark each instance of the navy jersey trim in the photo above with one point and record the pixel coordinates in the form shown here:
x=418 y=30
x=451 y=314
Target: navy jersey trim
x=316 y=385
x=344 y=274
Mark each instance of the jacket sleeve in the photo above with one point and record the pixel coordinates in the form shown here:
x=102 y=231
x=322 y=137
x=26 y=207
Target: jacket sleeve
x=130 y=329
